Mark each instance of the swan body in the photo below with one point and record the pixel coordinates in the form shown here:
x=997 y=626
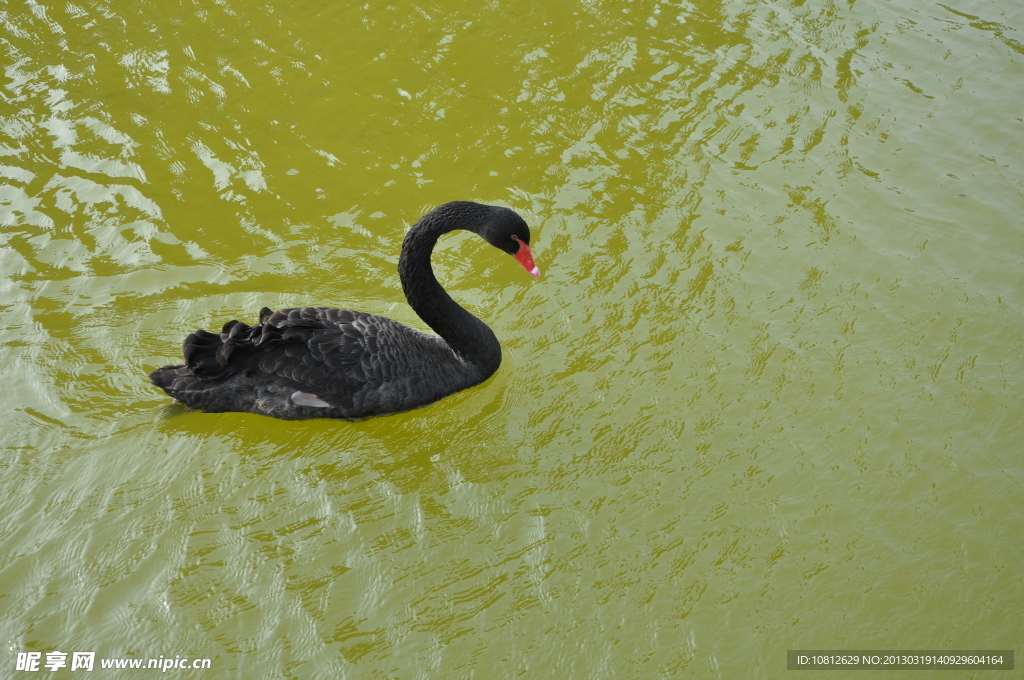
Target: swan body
x=316 y=362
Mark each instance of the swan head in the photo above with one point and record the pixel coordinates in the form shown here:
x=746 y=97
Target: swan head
x=506 y=230
x=499 y=226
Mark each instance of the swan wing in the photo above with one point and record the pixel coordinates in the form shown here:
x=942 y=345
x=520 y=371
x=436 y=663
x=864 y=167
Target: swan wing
x=331 y=356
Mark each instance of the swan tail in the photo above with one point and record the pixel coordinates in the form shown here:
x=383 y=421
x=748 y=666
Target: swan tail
x=180 y=383
x=201 y=380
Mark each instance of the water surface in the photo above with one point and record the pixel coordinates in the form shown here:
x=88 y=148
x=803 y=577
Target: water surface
x=765 y=396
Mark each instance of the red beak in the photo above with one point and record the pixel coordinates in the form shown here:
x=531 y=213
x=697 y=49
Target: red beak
x=525 y=258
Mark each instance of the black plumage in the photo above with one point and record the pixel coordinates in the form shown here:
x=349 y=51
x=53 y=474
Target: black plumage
x=316 y=362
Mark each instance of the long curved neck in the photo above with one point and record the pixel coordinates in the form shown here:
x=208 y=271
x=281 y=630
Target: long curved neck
x=467 y=335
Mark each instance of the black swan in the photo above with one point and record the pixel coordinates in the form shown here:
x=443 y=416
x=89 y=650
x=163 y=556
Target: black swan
x=316 y=362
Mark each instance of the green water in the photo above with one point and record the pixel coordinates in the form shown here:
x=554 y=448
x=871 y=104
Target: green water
x=766 y=394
